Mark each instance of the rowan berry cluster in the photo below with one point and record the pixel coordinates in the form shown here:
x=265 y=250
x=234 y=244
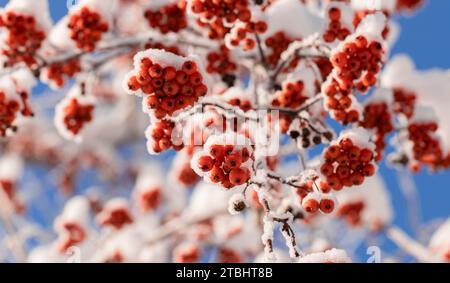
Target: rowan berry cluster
x=168 y=18
x=315 y=201
x=426 y=146
x=186 y=175
x=335 y=29
x=224 y=164
x=57 y=73
x=307 y=135
x=347 y=164
x=10 y=108
x=243 y=35
x=356 y=64
x=377 y=116
x=159 y=137
x=76 y=114
x=219 y=61
x=86 y=28
x=404 y=102
x=115 y=214
x=9 y=189
x=166 y=87
x=149 y=199
x=23 y=38
x=228 y=11
x=351 y=212
x=277 y=44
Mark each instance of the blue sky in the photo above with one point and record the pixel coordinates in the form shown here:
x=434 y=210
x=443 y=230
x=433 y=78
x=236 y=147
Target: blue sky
x=426 y=39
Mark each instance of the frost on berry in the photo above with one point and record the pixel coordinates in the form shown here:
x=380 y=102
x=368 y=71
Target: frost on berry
x=74 y=113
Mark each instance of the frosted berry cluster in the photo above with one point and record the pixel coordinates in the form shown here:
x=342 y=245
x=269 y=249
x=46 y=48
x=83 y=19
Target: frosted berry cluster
x=277 y=44
x=221 y=12
x=223 y=161
x=336 y=29
x=351 y=212
x=149 y=198
x=168 y=85
x=73 y=113
x=378 y=116
x=404 y=102
x=23 y=38
x=86 y=28
x=360 y=15
x=348 y=161
x=57 y=73
x=159 y=137
x=168 y=18
x=115 y=214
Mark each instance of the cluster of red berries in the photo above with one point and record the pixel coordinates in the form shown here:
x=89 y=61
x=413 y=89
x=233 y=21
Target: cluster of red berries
x=77 y=115
x=378 y=117
x=314 y=202
x=22 y=39
x=57 y=72
x=86 y=28
x=116 y=217
x=347 y=164
x=335 y=29
x=351 y=212
x=358 y=60
x=10 y=109
x=426 y=148
x=242 y=35
x=168 y=18
x=307 y=135
x=404 y=102
x=408 y=5
x=277 y=43
x=149 y=199
x=226 y=164
x=166 y=88
x=360 y=15
x=187 y=176
x=160 y=136
x=73 y=234
x=215 y=29
x=219 y=61
x=291 y=95
x=228 y=11
x=340 y=102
